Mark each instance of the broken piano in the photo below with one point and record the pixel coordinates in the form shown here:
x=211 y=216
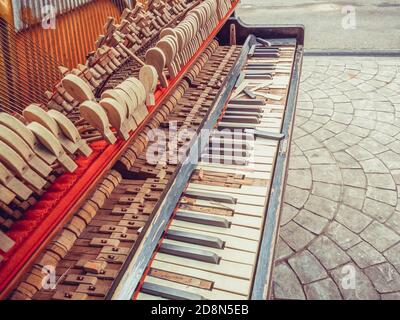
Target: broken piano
x=155 y=170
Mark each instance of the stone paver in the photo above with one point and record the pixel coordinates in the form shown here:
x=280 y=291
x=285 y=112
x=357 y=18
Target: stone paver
x=286 y=285
x=384 y=277
x=341 y=219
x=322 y=290
x=301 y=265
x=328 y=253
x=352 y=219
x=342 y=236
x=365 y=255
x=321 y=206
x=380 y=236
x=312 y=222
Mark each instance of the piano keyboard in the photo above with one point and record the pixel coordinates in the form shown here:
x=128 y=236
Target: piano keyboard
x=210 y=249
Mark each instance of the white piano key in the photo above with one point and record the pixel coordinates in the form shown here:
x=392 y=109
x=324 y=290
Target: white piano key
x=262 y=143
x=232 y=269
x=210 y=196
x=240 y=198
x=250 y=167
x=230 y=241
x=226 y=254
x=264 y=152
x=145 y=296
x=271 y=114
x=210 y=295
x=221 y=282
x=252 y=193
x=238 y=231
x=248 y=173
x=244 y=209
x=159 y=287
x=277 y=129
x=236 y=219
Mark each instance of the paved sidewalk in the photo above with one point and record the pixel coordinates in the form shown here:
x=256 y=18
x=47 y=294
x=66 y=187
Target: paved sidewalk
x=332 y=24
x=341 y=206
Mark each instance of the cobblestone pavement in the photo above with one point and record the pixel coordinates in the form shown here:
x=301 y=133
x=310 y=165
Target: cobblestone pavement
x=341 y=214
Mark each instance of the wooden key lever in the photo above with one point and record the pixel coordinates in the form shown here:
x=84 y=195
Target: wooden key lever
x=12 y=183
x=53 y=145
x=19 y=128
x=6 y=243
x=34 y=113
x=149 y=77
x=70 y=131
x=156 y=58
x=95 y=115
x=6 y=195
x=15 y=142
x=17 y=165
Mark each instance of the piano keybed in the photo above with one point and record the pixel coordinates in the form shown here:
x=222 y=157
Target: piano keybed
x=209 y=250
x=160 y=221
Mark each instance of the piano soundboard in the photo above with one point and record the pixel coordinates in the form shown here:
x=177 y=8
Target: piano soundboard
x=157 y=169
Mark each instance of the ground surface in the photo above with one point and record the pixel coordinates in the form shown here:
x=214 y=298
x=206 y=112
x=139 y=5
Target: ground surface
x=341 y=207
x=377 y=23
x=340 y=226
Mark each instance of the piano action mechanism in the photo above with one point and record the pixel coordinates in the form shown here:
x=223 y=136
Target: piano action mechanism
x=154 y=167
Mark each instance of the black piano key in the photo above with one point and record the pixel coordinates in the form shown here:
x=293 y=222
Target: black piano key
x=233 y=125
x=266 y=76
x=238 y=152
x=252 y=50
x=263 y=68
x=203 y=219
x=212 y=196
x=240 y=80
x=199 y=239
x=249 y=108
x=266 y=134
x=263 y=49
x=225 y=159
x=230 y=134
x=169 y=293
x=251 y=102
x=264 y=42
x=241 y=119
x=243 y=114
x=261 y=64
x=266 y=55
x=236 y=143
x=256 y=72
x=190 y=253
